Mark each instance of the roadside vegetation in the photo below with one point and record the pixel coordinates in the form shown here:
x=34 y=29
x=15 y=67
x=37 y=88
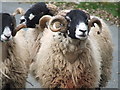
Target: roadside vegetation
x=109 y=11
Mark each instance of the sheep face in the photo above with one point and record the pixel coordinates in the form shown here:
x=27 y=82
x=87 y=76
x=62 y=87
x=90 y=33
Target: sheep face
x=77 y=24
x=8 y=25
x=32 y=15
x=80 y=31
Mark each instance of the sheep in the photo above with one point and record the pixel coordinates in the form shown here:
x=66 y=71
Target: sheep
x=30 y=19
x=72 y=54
x=21 y=42
x=14 y=53
x=107 y=57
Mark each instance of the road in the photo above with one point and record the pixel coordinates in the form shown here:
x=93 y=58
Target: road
x=113 y=83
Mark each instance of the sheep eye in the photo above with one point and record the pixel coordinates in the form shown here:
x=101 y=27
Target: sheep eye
x=11 y=24
x=23 y=20
x=86 y=22
x=68 y=25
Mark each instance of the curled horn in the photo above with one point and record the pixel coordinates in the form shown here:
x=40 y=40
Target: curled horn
x=18 y=11
x=43 y=21
x=58 y=23
x=97 y=21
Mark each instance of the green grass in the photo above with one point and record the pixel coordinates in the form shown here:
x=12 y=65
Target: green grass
x=111 y=7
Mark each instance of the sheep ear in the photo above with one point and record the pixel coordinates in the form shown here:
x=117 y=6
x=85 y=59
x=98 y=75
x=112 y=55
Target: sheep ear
x=68 y=20
x=43 y=21
x=88 y=16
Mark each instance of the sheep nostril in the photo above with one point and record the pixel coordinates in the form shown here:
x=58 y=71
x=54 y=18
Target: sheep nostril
x=7 y=36
x=82 y=30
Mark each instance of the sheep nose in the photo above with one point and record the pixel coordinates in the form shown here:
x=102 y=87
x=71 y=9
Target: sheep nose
x=83 y=31
x=7 y=36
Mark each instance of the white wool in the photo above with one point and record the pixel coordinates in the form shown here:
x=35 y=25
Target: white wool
x=57 y=52
x=15 y=61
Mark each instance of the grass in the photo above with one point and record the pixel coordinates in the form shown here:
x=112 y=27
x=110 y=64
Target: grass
x=111 y=7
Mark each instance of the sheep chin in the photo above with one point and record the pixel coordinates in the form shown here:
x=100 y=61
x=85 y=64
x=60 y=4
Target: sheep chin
x=81 y=37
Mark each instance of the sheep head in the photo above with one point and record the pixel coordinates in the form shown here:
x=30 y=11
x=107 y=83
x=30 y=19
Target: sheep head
x=7 y=30
x=30 y=18
x=9 y=24
x=76 y=23
x=79 y=24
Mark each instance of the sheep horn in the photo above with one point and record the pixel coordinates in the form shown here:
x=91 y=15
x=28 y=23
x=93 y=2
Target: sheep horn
x=58 y=23
x=18 y=11
x=43 y=20
x=97 y=21
x=20 y=26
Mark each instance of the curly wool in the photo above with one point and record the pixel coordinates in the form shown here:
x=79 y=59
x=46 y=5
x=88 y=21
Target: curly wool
x=105 y=43
x=66 y=63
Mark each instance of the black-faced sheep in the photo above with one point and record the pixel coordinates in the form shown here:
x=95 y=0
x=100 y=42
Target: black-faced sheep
x=13 y=70
x=74 y=54
x=30 y=19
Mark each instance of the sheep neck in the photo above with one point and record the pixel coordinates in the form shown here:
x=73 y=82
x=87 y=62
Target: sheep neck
x=71 y=48
x=4 y=49
x=73 y=55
